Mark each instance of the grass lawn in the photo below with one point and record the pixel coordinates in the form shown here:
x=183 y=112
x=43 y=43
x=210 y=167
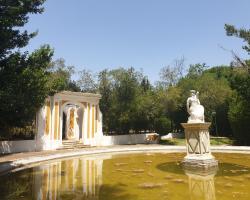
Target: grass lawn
x=213 y=141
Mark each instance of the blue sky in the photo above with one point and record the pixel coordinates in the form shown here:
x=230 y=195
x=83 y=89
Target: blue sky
x=147 y=34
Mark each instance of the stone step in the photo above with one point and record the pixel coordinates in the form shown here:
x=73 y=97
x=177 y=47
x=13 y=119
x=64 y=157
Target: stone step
x=75 y=143
x=70 y=141
x=65 y=148
x=72 y=144
x=75 y=146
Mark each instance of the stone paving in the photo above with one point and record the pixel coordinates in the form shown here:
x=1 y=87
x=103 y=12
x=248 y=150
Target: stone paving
x=19 y=160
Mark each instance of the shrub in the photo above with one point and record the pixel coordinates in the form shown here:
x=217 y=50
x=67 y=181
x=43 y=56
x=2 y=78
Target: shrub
x=162 y=125
x=239 y=116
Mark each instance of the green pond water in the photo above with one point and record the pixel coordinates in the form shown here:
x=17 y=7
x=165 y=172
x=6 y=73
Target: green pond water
x=129 y=177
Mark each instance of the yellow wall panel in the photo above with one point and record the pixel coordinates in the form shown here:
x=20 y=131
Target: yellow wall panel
x=93 y=121
x=48 y=117
x=88 y=120
x=96 y=112
x=56 y=120
x=58 y=129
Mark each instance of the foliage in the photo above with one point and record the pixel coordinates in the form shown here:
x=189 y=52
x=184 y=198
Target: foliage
x=221 y=141
x=60 y=77
x=23 y=86
x=86 y=81
x=123 y=85
x=26 y=79
x=106 y=100
x=196 y=70
x=239 y=115
x=240 y=81
x=171 y=74
x=128 y=101
x=240 y=33
x=215 y=93
x=174 y=141
x=162 y=125
x=14 y=14
x=213 y=141
x=169 y=102
x=145 y=111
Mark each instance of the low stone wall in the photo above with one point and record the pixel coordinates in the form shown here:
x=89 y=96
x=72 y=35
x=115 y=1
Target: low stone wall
x=27 y=145
x=17 y=146
x=128 y=139
x=40 y=145
x=48 y=145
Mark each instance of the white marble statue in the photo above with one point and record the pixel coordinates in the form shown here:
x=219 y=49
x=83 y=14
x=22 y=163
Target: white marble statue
x=194 y=108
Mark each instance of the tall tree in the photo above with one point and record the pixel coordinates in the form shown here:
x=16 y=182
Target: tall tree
x=15 y=14
x=171 y=74
x=24 y=86
x=240 y=33
x=87 y=81
x=23 y=77
x=239 y=106
x=105 y=89
x=60 y=77
x=196 y=70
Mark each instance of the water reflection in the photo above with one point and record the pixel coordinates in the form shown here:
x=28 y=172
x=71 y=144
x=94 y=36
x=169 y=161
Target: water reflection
x=128 y=177
x=201 y=186
x=200 y=181
x=69 y=179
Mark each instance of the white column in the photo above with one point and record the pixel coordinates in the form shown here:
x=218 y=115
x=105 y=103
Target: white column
x=90 y=124
x=52 y=120
x=99 y=130
x=60 y=120
x=85 y=125
x=82 y=123
x=93 y=122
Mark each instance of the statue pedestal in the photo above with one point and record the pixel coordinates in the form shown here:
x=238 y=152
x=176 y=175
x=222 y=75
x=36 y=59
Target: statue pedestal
x=198 y=147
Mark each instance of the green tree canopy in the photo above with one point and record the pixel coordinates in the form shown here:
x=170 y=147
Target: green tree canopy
x=240 y=33
x=26 y=78
x=240 y=81
x=14 y=14
x=23 y=86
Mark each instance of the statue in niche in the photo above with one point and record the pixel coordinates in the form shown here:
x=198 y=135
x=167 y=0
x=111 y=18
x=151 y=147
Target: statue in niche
x=70 y=132
x=194 y=108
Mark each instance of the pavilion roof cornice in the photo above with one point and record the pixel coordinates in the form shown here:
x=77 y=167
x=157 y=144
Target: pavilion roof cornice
x=77 y=96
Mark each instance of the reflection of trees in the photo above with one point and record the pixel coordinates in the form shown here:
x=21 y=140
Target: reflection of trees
x=114 y=192
x=12 y=189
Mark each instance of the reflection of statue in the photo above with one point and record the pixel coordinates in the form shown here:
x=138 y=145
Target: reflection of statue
x=195 y=110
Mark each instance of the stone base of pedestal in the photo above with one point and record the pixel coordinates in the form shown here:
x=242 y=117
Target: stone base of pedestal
x=199 y=155
x=200 y=164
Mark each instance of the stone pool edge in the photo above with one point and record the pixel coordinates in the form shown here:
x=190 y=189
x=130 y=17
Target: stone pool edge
x=22 y=163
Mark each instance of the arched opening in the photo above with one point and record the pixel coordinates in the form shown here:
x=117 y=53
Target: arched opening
x=72 y=121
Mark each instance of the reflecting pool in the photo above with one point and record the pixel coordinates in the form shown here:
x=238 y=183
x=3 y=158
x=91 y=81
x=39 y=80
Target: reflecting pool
x=137 y=176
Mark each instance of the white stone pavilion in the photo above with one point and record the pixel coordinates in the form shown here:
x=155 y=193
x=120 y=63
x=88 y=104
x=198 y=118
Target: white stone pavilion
x=69 y=116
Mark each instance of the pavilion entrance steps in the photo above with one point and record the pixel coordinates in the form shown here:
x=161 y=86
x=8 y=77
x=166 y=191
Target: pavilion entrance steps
x=72 y=144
